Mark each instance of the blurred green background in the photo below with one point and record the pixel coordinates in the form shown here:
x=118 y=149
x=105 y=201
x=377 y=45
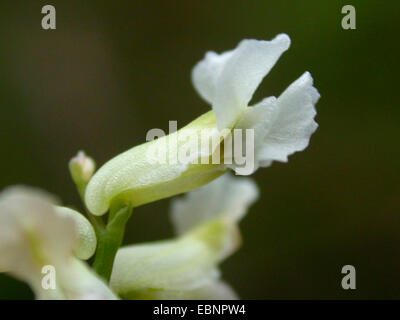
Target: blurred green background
x=112 y=70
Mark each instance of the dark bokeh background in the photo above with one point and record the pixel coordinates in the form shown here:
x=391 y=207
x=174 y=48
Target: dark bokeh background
x=115 y=69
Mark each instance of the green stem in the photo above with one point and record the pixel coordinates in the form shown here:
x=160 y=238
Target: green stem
x=97 y=222
x=109 y=240
x=110 y=237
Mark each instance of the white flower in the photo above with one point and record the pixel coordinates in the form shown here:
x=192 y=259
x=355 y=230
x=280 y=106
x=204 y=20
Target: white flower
x=281 y=126
x=186 y=267
x=34 y=234
x=228 y=81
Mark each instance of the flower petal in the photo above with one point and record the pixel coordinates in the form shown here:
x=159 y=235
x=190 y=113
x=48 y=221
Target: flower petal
x=75 y=281
x=282 y=126
x=206 y=72
x=86 y=244
x=79 y=282
x=184 y=264
x=133 y=178
x=207 y=223
x=226 y=197
x=259 y=118
x=294 y=122
x=33 y=236
x=229 y=80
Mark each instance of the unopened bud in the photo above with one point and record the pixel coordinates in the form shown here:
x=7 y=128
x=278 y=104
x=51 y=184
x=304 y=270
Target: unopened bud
x=81 y=168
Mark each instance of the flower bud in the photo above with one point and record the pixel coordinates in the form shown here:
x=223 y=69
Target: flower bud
x=81 y=168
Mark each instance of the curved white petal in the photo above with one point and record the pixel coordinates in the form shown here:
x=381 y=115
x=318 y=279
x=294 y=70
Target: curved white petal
x=294 y=122
x=33 y=236
x=228 y=81
x=282 y=126
x=86 y=244
x=206 y=72
x=226 y=197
